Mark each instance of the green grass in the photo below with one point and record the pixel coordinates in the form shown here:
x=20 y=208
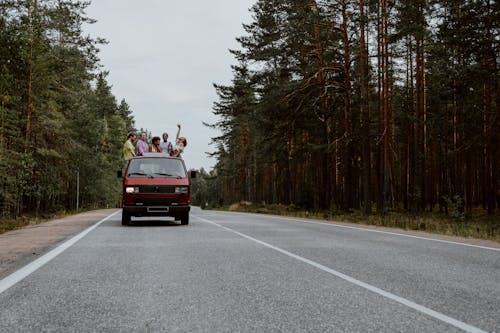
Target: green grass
x=480 y=225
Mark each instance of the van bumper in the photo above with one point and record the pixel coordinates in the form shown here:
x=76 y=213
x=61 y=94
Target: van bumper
x=156 y=210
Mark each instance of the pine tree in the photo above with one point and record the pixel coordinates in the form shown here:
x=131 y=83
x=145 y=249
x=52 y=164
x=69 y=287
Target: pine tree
x=53 y=123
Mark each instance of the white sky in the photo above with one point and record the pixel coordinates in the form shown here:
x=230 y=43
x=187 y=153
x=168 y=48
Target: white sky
x=163 y=57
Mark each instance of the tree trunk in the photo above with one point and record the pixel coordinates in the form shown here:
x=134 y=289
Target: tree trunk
x=29 y=107
x=386 y=164
x=419 y=115
x=365 y=116
x=380 y=166
x=348 y=151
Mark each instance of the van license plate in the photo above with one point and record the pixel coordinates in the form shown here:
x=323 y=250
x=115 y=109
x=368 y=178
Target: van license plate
x=158 y=209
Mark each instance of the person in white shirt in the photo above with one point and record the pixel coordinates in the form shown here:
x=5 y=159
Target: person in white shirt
x=166 y=146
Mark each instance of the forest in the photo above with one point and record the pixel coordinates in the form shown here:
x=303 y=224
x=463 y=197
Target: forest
x=61 y=128
x=340 y=105
x=369 y=105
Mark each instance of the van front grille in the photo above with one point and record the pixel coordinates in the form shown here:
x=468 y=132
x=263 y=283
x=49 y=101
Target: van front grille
x=156 y=189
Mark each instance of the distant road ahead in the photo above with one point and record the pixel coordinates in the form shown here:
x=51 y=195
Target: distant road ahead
x=231 y=272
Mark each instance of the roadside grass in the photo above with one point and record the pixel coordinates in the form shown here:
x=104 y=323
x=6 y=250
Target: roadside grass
x=479 y=225
x=9 y=224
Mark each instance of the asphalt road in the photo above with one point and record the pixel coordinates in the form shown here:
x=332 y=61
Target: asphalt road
x=231 y=272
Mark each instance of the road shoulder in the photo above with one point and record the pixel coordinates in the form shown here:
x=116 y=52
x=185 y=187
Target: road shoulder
x=21 y=246
x=415 y=233
x=370 y=227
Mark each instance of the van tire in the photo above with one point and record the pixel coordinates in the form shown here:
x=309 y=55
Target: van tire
x=125 y=218
x=185 y=219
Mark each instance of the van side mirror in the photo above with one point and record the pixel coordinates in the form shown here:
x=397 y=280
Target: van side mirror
x=193 y=174
x=119 y=174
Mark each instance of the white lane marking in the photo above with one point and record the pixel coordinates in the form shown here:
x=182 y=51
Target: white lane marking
x=375 y=231
x=23 y=272
x=401 y=300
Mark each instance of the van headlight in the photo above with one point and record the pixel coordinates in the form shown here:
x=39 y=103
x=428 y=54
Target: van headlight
x=181 y=190
x=131 y=190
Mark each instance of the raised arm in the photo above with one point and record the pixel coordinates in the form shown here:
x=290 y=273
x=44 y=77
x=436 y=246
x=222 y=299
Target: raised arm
x=178 y=132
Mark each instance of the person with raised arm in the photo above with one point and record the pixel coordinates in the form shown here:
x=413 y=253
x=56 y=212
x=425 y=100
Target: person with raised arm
x=180 y=143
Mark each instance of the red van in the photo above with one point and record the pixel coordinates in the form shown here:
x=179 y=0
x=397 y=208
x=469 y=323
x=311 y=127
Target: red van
x=156 y=185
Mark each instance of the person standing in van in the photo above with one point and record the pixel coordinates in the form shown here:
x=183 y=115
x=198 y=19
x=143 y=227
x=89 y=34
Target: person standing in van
x=155 y=145
x=142 y=146
x=180 y=144
x=128 y=150
x=166 y=146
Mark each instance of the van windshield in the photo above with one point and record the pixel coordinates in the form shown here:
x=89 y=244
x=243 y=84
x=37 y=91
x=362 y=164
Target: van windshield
x=156 y=167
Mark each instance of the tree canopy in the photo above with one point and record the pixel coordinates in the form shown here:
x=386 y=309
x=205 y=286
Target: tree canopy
x=354 y=104
x=59 y=122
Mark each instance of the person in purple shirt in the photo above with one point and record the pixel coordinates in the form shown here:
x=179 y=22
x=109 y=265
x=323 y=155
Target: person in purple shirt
x=142 y=145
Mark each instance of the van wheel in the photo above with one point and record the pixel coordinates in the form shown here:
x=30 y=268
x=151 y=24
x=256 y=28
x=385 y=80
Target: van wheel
x=125 y=218
x=185 y=219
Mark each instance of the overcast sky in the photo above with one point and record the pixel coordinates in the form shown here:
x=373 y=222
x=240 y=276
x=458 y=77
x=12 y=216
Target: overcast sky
x=163 y=57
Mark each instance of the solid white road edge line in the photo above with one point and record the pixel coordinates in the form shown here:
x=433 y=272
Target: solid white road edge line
x=401 y=300
x=23 y=272
x=375 y=231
